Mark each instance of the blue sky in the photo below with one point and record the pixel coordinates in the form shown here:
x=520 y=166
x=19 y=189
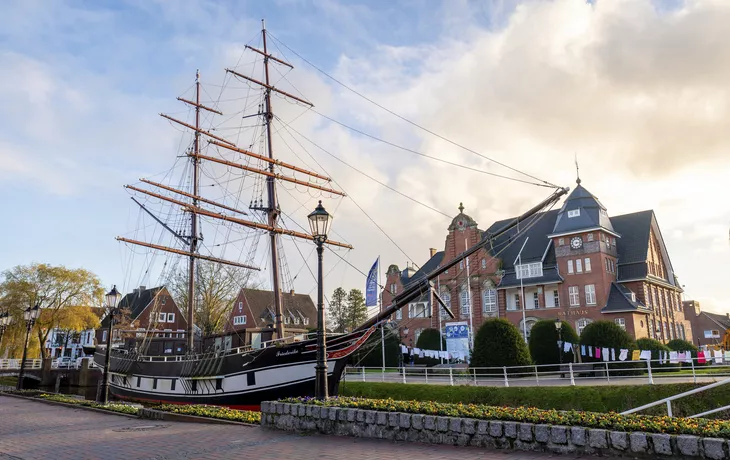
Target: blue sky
x=531 y=83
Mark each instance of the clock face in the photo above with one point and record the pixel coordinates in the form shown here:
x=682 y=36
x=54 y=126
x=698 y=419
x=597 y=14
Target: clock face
x=576 y=242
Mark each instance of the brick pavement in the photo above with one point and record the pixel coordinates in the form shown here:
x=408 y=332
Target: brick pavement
x=35 y=430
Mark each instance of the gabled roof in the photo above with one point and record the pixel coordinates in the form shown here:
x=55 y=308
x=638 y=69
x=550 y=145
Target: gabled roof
x=721 y=320
x=136 y=301
x=619 y=300
x=507 y=246
x=261 y=305
x=592 y=213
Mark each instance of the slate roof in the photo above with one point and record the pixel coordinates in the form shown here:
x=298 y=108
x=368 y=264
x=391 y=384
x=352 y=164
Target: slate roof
x=592 y=213
x=722 y=320
x=619 y=300
x=261 y=304
x=136 y=302
x=508 y=245
x=428 y=267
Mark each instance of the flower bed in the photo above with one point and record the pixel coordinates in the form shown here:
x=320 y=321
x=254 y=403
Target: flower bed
x=216 y=412
x=114 y=407
x=609 y=421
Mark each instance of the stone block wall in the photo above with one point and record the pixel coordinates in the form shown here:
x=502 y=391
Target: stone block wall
x=487 y=433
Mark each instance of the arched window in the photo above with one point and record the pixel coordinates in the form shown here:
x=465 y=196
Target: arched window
x=581 y=324
x=529 y=322
x=464 y=301
x=489 y=300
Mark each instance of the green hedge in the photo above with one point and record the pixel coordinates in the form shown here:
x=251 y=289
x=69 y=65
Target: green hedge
x=610 y=421
x=586 y=398
x=498 y=343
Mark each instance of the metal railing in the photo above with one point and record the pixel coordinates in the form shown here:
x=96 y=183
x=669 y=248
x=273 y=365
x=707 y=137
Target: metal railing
x=668 y=401
x=569 y=374
x=36 y=364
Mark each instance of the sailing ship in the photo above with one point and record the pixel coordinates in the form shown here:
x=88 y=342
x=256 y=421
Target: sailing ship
x=245 y=376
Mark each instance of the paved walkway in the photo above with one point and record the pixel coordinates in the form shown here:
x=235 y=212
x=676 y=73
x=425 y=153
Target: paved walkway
x=35 y=430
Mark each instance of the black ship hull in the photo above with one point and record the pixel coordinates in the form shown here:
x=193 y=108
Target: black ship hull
x=240 y=379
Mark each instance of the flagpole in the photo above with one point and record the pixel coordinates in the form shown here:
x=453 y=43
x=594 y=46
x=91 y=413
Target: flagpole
x=468 y=299
x=382 y=325
x=441 y=331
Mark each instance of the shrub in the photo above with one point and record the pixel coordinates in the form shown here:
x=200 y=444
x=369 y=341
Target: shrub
x=429 y=340
x=371 y=353
x=681 y=345
x=655 y=347
x=544 y=342
x=605 y=334
x=498 y=343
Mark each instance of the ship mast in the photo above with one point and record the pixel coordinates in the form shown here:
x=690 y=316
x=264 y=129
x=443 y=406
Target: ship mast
x=272 y=210
x=194 y=219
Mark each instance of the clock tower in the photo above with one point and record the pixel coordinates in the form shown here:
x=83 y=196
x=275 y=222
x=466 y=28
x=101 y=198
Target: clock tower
x=585 y=249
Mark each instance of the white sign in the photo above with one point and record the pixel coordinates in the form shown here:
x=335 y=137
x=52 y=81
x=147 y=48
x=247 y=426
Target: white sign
x=457 y=338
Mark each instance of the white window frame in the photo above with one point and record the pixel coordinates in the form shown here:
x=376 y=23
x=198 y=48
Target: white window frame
x=535 y=300
x=574 y=295
x=714 y=334
x=620 y=322
x=590 y=237
x=399 y=314
x=306 y=321
x=561 y=241
x=393 y=288
x=531 y=270
x=590 y=290
x=574 y=213
x=418 y=310
x=104 y=336
x=578 y=266
x=162 y=317
x=287 y=320
x=297 y=320
x=446 y=297
x=489 y=300
x=464 y=299
x=171 y=317
x=587 y=264
x=239 y=320
x=581 y=324
x=484 y=263
x=570 y=267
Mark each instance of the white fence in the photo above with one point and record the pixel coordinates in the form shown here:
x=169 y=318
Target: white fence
x=597 y=373
x=31 y=364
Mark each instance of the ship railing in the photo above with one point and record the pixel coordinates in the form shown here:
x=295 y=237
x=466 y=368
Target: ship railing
x=640 y=372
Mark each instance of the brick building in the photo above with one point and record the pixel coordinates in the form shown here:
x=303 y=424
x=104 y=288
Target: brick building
x=575 y=263
x=150 y=311
x=709 y=328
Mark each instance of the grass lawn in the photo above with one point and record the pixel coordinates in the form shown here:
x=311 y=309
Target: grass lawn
x=594 y=399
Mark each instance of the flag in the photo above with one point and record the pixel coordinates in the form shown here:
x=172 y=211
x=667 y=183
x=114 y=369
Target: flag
x=371 y=286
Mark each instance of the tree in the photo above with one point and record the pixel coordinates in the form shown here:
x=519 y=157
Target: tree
x=605 y=334
x=681 y=345
x=371 y=353
x=543 y=342
x=430 y=339
x=64 y=295
x=655 y=347
x=337 y=310
x=357 y=312
x=216 y=289
x=498 y=343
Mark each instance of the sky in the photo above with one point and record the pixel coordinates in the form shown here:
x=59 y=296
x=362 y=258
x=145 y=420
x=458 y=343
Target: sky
x=636 y=90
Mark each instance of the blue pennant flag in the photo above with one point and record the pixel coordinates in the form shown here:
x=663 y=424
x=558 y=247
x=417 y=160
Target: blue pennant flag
x=371 y=286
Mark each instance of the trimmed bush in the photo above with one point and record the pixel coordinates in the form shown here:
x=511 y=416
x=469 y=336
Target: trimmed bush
x=600 y=398
x=371 y=353
x=429 y=340
x=498 y=343
x=681 y=345
x=605 y=334
x=655 y=347
x=544 y=342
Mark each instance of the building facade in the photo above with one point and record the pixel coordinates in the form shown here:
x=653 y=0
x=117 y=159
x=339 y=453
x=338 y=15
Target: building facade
x=709 y=328
x=68 y=343
x=575 y=263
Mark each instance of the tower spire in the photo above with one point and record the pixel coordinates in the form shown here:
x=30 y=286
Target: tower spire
x=577 y=170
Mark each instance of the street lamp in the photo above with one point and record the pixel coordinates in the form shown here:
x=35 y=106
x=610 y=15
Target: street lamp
x=4 y=323
x=319 y=222
x=559 y=328
x=30 y=315
x=112 y=298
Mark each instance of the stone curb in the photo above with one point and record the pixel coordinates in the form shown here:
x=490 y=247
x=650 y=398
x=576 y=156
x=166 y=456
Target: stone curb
x=73 y=406
x=491 y=434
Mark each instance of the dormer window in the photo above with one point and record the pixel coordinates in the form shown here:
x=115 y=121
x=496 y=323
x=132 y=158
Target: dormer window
x=528 y=270
x=574 y=213
x=633 y=297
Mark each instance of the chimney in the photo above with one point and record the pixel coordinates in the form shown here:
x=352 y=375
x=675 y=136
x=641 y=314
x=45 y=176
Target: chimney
x=291 y=292
x=433 y=251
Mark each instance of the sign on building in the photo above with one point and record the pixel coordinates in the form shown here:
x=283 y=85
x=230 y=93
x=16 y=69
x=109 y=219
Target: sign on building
x=457 y=338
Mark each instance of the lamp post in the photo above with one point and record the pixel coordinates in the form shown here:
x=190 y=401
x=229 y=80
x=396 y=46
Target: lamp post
x=319 y=222
x=559 y=328
x=30 y=315
x=112 y=297
x=4 y=323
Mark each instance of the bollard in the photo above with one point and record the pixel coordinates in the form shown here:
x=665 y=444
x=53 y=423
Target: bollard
x=694 y=376
x=363 y=373
x=451 y=376
x=404 y=375
x=537 y=379
x=648 y=367
x=572 y=377
x=506 y=381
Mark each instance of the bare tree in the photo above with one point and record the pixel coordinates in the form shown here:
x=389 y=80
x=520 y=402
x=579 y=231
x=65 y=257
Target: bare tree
x=216 y=288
